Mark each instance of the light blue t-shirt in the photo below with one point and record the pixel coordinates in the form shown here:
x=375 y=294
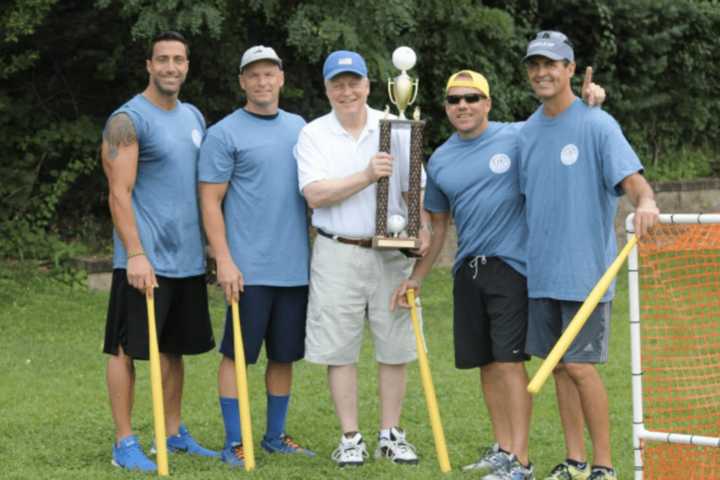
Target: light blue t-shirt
x=164 y=198
x=571 y=166
x=477 y=181
x=265 y=214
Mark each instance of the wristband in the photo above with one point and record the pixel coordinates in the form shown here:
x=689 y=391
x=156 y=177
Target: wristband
x=136 y=254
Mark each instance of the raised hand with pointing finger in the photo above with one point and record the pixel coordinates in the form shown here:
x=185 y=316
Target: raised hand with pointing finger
x=592 y=93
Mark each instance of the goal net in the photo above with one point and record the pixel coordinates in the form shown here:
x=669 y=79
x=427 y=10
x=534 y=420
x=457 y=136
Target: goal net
x=674 y=285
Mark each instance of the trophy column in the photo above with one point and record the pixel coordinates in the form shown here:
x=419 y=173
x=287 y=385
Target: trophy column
x=392 y=232
x=382 y=185
x=416 y=160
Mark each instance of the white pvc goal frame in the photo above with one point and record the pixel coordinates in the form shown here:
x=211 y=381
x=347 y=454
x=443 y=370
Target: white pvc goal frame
x=640 y=433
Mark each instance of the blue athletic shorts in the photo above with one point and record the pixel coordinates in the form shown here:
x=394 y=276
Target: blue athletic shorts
x=549 y=317
x=275 y=315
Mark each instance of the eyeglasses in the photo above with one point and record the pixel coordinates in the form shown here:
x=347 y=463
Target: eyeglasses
x=468 y=97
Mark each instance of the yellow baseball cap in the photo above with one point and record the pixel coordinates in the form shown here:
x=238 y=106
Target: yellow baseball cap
x=476 y=81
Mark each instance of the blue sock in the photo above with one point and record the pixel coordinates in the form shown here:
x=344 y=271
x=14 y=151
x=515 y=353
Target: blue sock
x=277 y=408
x=231 y=419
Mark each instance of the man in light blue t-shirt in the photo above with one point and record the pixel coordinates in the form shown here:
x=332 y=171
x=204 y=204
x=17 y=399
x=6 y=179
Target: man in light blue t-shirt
x=256 y=223
x=149 y=154
x=574 y=164
x=473 y=176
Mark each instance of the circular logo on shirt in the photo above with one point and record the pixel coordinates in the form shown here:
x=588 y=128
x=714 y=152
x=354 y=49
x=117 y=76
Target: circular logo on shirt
x=569 y=154
x=500 y=163
x=196 y=137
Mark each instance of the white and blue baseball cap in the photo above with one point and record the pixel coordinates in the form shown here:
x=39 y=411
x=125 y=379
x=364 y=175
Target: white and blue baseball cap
x=550 y=44
x=257 y=53
x=344 y=61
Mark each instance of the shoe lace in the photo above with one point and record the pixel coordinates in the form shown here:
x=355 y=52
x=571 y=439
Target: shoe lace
x=238 y=451
x=355 y=448
x=491 y=456
x=497 y=458
x=135 y=449
x=598 y=475
x=287 y=440
x=560 y=472
x=404 y=446
x=190 y=442
x=517 y=470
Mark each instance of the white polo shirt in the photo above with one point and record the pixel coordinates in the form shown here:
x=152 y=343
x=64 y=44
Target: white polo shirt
x=325 y=150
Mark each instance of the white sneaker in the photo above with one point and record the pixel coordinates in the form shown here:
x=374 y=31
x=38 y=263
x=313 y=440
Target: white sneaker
x=396 y=448
x=351 y=451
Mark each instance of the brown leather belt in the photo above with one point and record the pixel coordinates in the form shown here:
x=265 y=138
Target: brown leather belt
x=358 y=242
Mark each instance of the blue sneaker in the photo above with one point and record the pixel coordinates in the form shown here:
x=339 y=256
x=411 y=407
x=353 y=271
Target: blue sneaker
x=284 y=444
x=184 y=442
x=234 y=455
x=128 y=453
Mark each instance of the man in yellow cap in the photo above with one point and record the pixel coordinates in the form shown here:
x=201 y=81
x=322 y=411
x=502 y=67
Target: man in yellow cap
x=474 y=175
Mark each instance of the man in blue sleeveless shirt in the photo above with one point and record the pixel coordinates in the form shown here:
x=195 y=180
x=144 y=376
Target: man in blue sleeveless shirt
x=256 y=224
x=149 y=154
x=574 y=164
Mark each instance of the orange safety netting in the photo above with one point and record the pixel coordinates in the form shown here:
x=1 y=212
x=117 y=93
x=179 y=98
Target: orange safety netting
x=679 y=276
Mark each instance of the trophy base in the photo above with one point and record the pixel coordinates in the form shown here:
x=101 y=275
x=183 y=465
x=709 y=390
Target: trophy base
x=395 y=243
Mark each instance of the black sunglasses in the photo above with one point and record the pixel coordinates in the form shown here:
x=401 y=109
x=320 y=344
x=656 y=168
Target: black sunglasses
x=469 y=98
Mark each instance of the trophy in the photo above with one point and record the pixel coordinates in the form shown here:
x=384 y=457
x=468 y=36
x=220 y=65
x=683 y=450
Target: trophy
x=396 y=231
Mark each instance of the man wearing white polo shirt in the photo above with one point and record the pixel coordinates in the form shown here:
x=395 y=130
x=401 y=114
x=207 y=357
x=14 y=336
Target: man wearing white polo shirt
x=338 y=166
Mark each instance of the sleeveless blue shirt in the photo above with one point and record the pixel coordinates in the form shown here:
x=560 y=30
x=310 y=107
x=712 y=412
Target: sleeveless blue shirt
x=164 y=198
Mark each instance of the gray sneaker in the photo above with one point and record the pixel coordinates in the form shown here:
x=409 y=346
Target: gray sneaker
x=515 y=471
x=493 y=460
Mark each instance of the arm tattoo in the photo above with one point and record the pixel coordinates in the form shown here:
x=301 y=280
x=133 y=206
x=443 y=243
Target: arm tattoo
x=119 y=132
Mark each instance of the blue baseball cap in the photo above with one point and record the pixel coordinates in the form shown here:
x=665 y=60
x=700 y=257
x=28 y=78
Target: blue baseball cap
x=344 y=61
x=550 y=44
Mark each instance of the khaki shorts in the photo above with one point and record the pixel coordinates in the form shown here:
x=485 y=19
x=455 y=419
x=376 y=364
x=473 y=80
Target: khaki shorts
x=348 y=284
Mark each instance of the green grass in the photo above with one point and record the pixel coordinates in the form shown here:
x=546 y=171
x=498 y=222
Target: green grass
x=55 y=420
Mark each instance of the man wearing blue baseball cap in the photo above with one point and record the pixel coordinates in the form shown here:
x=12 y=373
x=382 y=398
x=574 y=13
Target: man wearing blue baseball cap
x=338 y=166
x=574 y=164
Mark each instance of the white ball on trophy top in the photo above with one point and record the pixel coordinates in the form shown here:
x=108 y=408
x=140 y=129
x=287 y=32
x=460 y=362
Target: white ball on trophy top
x=396 y=224
x=404 y=58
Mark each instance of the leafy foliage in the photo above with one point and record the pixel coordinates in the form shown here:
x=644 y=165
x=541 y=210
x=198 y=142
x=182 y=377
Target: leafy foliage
x=65 y=66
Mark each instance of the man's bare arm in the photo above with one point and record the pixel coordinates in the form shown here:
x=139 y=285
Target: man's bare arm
x=119 y=133
x=228 y=275
x=642 y=197
x=325 y=193
x=120 y=152
x=423 y=266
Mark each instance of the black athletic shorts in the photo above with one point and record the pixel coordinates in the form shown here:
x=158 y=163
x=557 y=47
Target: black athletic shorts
x=490 y=313
x=275 y=315
x=181 y=314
